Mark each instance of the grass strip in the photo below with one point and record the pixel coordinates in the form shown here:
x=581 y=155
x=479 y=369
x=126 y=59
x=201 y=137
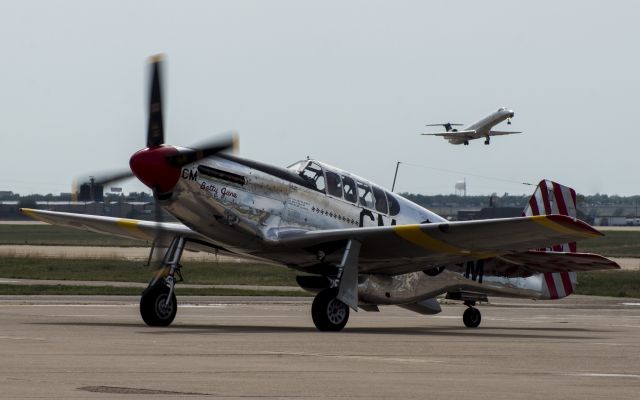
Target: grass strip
x=613 y=244
x=61 y=236
x=223 y=273
x=609 y=283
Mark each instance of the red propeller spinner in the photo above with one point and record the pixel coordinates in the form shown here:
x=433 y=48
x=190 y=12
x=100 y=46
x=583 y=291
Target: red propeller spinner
x=153 y=167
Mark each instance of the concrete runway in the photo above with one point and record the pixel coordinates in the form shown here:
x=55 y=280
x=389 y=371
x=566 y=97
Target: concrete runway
x=97 y=347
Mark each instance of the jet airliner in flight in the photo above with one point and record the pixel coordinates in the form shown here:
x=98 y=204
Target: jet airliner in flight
x=477 y=130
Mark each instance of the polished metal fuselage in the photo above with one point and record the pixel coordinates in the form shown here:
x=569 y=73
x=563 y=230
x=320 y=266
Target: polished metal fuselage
x=247 y=218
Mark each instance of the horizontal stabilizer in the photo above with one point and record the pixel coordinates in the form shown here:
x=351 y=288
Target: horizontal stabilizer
x=535 y=262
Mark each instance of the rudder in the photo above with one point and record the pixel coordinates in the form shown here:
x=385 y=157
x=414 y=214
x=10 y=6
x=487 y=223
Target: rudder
x=553 y=198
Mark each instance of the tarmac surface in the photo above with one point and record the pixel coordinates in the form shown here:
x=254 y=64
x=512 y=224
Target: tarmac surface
x=255 y=347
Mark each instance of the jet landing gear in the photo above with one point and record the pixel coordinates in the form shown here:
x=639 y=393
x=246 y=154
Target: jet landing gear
x=471 y=316
x=329 y=313
x=158 y=304
x=486 y=141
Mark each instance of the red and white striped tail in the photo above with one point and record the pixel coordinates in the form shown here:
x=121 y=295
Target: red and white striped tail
x=553 y=198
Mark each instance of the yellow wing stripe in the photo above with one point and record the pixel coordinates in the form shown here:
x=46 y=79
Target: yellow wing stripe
x=29 y=213
x=554 y=226
x=131 y=225
x=413 y=234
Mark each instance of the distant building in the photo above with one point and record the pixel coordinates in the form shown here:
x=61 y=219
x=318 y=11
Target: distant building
x=489 y=213
x=613 y=221
x=91 y=192
x=9 y=209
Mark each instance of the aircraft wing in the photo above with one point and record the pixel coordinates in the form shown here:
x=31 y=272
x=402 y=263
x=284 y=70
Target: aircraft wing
x=128 y=228
x=408 y=248
x=451 y=134
x=500 y=133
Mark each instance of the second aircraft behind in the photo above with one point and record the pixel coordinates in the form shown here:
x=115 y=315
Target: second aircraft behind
x=476 y=130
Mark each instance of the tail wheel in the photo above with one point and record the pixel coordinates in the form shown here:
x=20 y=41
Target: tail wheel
x=471 y=317
x=329 y=313
x=154 y=307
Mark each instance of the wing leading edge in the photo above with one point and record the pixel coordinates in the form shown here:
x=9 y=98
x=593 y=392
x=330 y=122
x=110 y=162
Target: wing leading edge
x=454 y=134
x=128 y=228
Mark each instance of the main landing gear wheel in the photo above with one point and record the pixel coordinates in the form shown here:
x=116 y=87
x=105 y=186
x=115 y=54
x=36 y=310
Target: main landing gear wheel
x=472 y=317
x=154 y=307
x=329 y=313
x=466 y=142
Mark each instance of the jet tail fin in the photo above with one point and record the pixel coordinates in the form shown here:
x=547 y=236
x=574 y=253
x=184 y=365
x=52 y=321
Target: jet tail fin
x=553 y=198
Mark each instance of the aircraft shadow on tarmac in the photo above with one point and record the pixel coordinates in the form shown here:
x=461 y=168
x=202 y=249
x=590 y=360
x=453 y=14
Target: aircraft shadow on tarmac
x=488 y=331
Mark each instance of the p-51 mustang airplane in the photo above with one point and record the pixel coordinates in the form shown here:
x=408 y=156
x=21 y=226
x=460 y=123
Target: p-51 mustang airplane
x=477 y=130
x=362 y=245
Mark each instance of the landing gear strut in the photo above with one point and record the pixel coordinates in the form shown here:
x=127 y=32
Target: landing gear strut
x=486 y=141
x=158 y=304
x=466 y=142
x=329 y=313
x=471 y=316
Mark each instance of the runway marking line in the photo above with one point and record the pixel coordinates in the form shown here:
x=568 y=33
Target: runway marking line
x=354 y=357
x=21 y=338
x=69 y=305
x=604 y=375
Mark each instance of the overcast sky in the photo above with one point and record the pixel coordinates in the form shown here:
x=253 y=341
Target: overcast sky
x=351 y=83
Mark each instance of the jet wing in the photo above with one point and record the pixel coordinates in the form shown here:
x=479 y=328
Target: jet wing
x=456 y=135
x=500 y=133
x=408 y=248
x=128 y=228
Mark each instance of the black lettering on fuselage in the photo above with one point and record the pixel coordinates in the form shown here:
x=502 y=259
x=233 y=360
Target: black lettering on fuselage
x=189 y=174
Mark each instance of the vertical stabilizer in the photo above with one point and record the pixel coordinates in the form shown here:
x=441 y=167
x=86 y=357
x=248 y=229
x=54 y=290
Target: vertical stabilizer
x=553 y=198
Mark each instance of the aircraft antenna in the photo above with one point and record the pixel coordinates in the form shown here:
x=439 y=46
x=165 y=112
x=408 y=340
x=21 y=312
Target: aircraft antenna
x=395 y=176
